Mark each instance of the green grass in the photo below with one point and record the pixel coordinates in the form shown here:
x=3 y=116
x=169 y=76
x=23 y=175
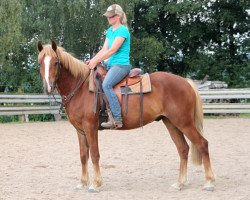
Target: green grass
x=245 y=115
x=32 y=118
x=8 y=119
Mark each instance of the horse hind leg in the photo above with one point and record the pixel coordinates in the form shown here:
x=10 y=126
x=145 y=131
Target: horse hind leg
x=183 y=149
x=202 y=146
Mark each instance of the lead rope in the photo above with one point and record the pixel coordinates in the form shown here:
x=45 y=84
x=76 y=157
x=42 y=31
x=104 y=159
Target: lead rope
x=60 y=103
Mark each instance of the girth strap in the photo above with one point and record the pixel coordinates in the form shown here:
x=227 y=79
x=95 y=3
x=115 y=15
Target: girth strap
x=141 y=101
x=126 y=97
x=141 y=104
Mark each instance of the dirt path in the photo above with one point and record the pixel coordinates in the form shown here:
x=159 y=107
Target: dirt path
x=41 y=161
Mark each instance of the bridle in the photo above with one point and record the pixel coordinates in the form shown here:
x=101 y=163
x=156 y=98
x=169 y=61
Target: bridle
x=66 y=98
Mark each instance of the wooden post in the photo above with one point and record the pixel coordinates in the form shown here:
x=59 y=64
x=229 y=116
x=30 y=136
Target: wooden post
x=57 y=117
x=21 y=118
x=26 y=117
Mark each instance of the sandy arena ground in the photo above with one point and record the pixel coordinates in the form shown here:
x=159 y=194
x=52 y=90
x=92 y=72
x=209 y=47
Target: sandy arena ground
x=41 y=161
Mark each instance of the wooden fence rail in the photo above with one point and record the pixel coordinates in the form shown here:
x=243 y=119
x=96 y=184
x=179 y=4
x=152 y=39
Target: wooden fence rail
x=25 y=105
x=218 y=101
x=215 y=101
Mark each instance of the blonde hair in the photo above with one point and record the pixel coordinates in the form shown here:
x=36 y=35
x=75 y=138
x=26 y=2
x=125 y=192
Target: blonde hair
x=123 y=19
x=75 y=66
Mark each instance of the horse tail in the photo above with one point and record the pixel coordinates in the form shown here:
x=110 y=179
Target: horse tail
x=198 y=117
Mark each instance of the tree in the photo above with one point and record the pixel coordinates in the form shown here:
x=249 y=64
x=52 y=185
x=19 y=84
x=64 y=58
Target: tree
x=199 y=37
x=146 y=53
x=227 y=30
x=189 y=38
x=176 y=25
x=10 y=38
x=73 y=24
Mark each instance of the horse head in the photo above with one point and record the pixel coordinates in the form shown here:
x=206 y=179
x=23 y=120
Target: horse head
x=49 y=65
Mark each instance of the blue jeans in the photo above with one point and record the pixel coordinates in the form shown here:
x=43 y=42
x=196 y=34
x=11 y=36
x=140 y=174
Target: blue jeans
x=115 y=74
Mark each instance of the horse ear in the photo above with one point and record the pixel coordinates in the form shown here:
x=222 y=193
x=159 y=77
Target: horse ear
x=54 y=46
x=39 y=46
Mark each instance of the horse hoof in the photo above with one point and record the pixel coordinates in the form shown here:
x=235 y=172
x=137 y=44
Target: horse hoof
x=79 y=187
x=177 y=186
x=209 y=187
x=92 y=189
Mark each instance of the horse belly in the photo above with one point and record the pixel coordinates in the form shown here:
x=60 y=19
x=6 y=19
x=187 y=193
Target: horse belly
x=152 y=109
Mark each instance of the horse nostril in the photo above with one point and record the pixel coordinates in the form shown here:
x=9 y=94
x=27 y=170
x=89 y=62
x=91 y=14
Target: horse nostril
x=53 y=86
x=47 y=87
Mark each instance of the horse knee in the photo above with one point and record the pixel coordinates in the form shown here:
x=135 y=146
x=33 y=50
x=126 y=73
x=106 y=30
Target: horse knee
x=95 y=156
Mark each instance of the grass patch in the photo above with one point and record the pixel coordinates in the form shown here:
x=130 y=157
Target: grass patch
x=245 y=115
x=225 y=116
x=32 y=118
x=8 y=119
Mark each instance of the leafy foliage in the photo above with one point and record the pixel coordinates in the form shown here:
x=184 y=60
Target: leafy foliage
x=189 y=38
x=10 y=37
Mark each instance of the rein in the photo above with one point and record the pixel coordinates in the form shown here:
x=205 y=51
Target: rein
x=66 y=99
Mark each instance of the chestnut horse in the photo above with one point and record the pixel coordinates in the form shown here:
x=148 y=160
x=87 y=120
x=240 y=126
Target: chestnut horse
x=174 y=100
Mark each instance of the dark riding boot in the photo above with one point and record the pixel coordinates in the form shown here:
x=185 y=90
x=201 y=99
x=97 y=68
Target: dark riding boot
x=112 y=124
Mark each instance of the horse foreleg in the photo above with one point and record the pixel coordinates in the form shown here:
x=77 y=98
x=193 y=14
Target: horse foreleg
x=92 y=138
x=84 y=156
x=183 y=149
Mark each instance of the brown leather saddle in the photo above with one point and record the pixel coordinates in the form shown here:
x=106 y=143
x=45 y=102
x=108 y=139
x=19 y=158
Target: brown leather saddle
x=97 y=76
x=132 y=78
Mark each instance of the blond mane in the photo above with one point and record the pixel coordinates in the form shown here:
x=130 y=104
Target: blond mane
x=75 y=66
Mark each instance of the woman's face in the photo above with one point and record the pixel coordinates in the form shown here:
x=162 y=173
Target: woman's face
x=114 y=19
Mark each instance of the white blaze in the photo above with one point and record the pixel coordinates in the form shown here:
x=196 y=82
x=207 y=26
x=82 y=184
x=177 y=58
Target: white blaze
x=47 y=64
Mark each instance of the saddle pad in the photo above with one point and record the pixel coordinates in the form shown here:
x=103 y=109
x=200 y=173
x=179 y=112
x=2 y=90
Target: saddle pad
x=135 y=89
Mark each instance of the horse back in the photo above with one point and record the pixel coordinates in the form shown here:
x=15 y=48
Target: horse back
x=170 y=95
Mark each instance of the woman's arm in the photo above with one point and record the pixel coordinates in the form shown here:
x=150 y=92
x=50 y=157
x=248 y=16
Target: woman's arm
x=105 y=53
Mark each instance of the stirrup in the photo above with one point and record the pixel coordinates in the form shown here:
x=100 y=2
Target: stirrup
x=112 y=125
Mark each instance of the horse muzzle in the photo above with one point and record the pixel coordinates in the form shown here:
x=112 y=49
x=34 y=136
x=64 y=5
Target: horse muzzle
x=49 y=87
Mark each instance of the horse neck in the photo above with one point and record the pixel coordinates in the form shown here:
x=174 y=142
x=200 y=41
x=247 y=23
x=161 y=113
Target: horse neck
x=66 y=82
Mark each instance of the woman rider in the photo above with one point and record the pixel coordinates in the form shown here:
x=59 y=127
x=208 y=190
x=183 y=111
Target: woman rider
x=116 y=49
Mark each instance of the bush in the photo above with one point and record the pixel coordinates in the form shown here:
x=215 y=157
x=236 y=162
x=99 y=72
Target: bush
x=7 y=119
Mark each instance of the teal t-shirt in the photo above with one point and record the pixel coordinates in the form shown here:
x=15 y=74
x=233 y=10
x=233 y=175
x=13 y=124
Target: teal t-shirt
x=122 y=56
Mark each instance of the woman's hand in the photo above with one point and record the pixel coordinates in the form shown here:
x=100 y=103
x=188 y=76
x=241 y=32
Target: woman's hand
x=92 y=64
x=87 y=62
